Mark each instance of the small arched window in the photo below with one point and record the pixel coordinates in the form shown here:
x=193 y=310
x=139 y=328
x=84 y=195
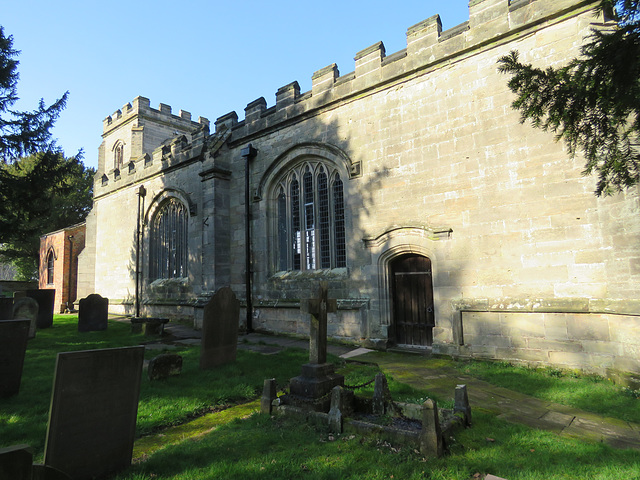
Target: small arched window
x=50 y=264
x=168 y=241
x=310 y=218
x=118 y=156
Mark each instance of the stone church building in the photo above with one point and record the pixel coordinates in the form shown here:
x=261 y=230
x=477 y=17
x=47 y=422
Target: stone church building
x=409 y=185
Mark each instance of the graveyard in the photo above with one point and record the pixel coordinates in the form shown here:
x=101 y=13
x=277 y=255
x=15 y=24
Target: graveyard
x=206 y=422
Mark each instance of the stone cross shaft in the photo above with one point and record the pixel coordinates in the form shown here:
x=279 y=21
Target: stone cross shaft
x=318 y=308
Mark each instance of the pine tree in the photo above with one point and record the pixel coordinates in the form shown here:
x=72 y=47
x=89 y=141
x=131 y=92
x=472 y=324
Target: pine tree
x=40 y=194
x=592 y=103
x=22 y=133
x=40 y=190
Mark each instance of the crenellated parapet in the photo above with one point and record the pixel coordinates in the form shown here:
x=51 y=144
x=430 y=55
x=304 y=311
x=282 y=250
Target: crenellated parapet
x=141 y=108
x=490 y=21
x=139 y=141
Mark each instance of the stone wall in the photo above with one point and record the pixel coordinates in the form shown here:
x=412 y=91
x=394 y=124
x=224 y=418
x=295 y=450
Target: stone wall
x=434 y=162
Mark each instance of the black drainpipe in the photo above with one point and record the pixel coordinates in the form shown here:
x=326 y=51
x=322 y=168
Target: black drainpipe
x=248 y=153
x=141 y=194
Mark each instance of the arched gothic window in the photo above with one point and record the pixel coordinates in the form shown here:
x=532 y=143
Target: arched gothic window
x=168 y=241
x=310 y=219
x=118 y=156
x=50 y=260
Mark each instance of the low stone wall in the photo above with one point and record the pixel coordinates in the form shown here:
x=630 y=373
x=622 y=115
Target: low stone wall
x=348 y=324
x=601 y=343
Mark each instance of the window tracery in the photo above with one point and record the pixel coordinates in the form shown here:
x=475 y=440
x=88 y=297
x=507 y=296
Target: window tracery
x=168 y=241
x=309 y=201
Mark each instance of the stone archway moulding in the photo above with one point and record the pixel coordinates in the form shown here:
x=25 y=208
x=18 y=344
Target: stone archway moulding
x=323 y=151
x=392 y=243
x=157 y=201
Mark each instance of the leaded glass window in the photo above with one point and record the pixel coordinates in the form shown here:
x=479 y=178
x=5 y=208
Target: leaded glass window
x=310 y=219
x=168 y=242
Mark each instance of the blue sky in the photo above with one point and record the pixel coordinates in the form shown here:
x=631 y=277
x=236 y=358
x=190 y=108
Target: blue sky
x=206 y=57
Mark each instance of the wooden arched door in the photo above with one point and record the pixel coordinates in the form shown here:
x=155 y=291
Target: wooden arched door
x=412 y=294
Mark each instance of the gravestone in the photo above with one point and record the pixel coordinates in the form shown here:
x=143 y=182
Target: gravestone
x=45 y=298
x=164 y=365
x=26 y=308
x=14 y=335
x=220 y=323
x=311 y=389
x=15 y=462
x=93 y=313
x=6 y=308
x=93 y=412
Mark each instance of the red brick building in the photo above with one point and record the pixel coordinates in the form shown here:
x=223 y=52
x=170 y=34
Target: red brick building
x=59 y=252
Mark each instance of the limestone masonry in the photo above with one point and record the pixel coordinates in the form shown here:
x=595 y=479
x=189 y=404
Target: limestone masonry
x=409 y=185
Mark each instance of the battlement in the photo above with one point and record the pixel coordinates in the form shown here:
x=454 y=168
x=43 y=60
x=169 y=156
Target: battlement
x=140 y=107
x=428 y=45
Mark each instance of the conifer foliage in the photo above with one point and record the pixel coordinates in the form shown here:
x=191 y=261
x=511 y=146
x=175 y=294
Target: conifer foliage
x=593 y=102
x=22 y=133
x=40 y=190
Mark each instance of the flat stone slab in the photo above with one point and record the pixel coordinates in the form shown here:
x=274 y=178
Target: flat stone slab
x=356 y=352
x=263 y=349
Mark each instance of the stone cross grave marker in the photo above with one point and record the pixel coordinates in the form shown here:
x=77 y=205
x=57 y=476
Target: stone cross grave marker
x=45 y=298
x=311 y=388
x=14 y=335
x=318 y=308
x=93 y=313
x=94 y=404
x=26 y=308
x=220 y=323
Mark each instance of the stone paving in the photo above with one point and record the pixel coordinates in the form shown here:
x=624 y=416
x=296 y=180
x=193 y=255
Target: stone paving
x=428 y=373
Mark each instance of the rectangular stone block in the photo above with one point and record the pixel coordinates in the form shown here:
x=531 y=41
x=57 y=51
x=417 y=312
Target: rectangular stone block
x=16 y=462
x=588 y=327
x=481 y=323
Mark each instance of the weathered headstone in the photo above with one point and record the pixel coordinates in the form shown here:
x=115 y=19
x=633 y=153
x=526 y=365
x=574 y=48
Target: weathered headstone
x=14 y=335
x=45 y=298
x=220 y=323
x=15 y=462
x=164 y=365
x=6 y=308
x=311 y=389
x=93 y=313
x=93 y=412
x=26 y=308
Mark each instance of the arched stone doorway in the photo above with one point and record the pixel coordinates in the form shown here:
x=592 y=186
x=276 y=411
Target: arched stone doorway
x=411 y=286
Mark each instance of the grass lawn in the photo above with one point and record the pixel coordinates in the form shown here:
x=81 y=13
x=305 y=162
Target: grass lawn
x=590 y=393
x=261 y=446
x=23 y=418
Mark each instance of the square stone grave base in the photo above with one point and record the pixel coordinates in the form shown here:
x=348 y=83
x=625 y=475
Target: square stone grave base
x=312 y=388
